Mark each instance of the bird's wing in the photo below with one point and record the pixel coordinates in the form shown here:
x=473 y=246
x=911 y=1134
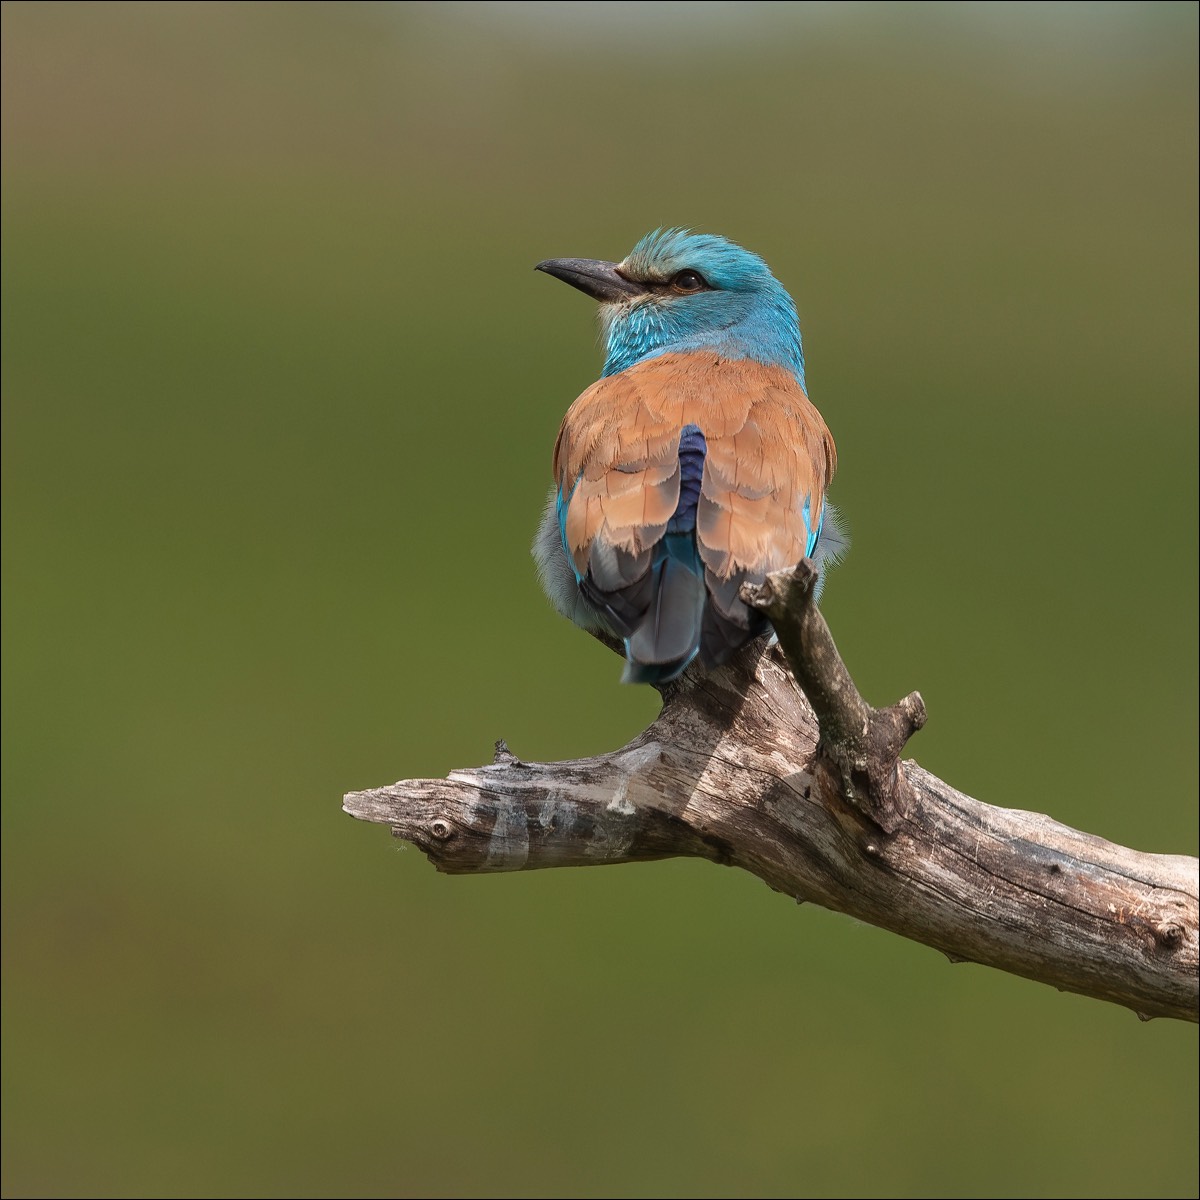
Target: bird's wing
x=768 y=458
x=616 y=463
x=765 y=480
x=763 y=497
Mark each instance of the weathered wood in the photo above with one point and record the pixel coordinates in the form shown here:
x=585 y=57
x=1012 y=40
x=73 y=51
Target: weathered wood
x=738 y=769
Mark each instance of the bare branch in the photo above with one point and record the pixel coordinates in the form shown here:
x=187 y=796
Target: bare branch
x=863 y=744
x=738 y=768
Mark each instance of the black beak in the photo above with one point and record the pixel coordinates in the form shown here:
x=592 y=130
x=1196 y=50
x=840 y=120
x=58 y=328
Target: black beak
x=599 y=280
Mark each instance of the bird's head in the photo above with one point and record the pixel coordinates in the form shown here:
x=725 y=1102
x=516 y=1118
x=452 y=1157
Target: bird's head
x=681 y=291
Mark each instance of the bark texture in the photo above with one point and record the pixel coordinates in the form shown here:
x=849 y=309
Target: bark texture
x=803 y=786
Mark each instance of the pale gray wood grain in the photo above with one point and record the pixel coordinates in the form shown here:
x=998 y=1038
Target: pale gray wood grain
x=813 y=798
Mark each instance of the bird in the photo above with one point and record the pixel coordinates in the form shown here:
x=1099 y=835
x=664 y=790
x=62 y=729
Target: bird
x=694 y=464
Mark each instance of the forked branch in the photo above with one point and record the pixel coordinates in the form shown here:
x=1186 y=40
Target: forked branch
x=813 y=798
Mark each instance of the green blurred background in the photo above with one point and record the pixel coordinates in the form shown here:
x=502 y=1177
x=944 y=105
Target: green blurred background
x=280 y=389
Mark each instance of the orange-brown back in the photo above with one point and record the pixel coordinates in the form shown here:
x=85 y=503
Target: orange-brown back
x=770 y=459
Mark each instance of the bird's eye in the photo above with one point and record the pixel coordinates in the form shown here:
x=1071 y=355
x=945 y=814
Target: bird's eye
x=688 y=281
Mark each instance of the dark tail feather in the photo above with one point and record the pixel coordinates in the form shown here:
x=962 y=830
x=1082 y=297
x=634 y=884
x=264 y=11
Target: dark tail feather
x=668 y=637
x=728 y=623
x=721 y=637
x=653 y=672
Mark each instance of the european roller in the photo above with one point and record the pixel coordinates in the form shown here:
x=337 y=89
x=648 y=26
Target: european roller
x=695 y=463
